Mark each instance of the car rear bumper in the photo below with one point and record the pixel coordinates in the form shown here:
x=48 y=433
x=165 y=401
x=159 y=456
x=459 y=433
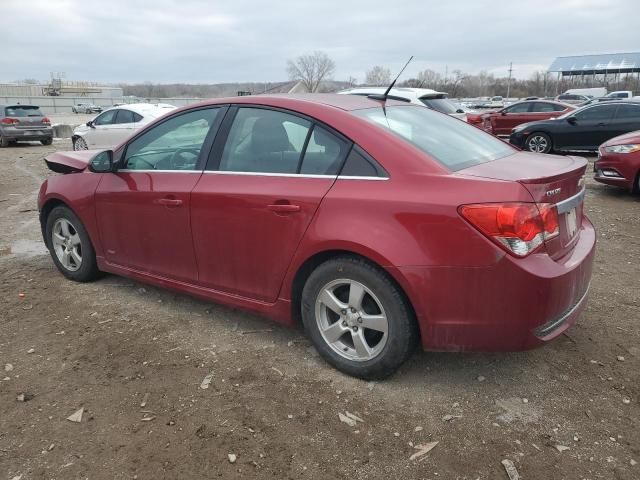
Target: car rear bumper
x=514 y=304
x=18 y=134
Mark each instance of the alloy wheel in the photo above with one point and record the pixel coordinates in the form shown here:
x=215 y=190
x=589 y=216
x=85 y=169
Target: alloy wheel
x=351 y=320
x=80 y=144
x=67 y=244
x=538 y=144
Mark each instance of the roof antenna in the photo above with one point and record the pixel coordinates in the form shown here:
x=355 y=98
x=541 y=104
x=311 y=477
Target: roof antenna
x=386 y=94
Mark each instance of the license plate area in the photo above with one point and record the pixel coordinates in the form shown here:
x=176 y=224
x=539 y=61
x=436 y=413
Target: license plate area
x=571 y=223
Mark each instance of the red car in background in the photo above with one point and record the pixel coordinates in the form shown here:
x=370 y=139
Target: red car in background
x=502 y=121
x=618 y=162
x=377 y=225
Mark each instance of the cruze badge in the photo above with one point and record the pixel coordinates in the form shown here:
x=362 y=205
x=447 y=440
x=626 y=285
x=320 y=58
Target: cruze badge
x=555 y=191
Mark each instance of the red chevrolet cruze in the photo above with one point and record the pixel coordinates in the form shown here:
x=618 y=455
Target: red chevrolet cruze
x=377 y=225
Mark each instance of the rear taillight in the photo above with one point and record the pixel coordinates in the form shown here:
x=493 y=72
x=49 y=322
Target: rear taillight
x=9 y=121
x=46 y=121
x=519 y=228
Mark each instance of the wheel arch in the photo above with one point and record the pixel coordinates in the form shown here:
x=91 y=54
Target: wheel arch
x=305 y=269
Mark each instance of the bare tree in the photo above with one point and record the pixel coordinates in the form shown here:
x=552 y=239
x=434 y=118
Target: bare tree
x=311 y=69
x=378 y=76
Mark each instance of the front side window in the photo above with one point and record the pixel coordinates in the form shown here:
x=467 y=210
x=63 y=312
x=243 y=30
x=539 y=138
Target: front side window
x=106 y=118
x=453 y=143
x=267 y=141
x=174 y=144
x=600 y=112
x=518 y=108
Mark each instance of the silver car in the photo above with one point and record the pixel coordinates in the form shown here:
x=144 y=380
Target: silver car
x=24 y=123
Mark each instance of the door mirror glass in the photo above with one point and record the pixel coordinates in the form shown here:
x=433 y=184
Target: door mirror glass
x=102 y=162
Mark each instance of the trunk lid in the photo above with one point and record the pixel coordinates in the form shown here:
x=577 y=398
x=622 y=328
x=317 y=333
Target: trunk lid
x=69 y=162
x=552 y=179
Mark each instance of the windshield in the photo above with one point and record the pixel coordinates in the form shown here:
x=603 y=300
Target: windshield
x=440 y=104
x=22 y=111
x=453 y=143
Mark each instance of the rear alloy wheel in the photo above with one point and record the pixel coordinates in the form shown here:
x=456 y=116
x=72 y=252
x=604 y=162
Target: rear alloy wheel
x=80 y=143
x=357 y=318
x=538 y=143
x=69 y=245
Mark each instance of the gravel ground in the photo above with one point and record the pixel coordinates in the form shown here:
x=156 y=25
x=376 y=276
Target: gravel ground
x=134 y=357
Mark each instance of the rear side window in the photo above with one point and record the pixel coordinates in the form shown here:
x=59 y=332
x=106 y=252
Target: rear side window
x=324 y=154
x=360 y=164
x=22 y=111
x=599 y=112
x=544 y=107
x=628 y=111
x=453 y=143
x=124 y=116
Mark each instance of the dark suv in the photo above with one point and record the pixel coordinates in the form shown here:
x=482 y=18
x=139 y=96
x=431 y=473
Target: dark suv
x=24 y=123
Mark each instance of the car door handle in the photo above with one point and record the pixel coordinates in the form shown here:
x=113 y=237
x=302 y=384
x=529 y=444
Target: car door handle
x=168 y=202
x=601 y=124
x=284 y=208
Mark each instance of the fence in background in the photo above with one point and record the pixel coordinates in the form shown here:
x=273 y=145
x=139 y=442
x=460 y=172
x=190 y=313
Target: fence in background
x=50 y=105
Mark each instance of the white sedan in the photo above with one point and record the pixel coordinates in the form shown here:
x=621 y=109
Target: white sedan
x=115 y=125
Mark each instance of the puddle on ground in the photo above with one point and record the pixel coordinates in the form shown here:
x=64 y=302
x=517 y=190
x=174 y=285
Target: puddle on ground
x=26 y=248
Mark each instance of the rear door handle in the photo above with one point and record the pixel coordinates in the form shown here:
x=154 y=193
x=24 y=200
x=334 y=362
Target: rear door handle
x=168 y=202
x=284 y=208
x=601 y=124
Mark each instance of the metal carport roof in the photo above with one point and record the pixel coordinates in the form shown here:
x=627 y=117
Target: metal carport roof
x=590 y=64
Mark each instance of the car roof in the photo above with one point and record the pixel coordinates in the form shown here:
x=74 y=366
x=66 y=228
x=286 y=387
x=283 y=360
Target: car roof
x=406 y=92
x=145 y=108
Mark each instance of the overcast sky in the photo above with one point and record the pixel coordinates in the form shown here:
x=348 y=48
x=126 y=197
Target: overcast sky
x=212 y=41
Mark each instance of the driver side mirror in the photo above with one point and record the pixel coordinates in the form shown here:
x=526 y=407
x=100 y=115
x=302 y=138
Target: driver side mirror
x=90 y=124
x=503 y=112
x=102 y=162
x=572 y=120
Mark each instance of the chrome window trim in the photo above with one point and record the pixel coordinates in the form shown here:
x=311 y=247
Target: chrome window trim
x=567 y=204
x=133 y=170
x=268 y=174
x=361 y=177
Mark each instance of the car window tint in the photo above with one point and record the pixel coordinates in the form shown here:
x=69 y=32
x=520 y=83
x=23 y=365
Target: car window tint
x=173 y=144
x=324 y=153
x=124 y=116
x=628 y=111
x=23 y=111
x=453 y=143
x=136 y=117
x=518 y=108
x=106 y=118
x=267 y=141
x=599 y=112
x=359 y=164
x=543 y=107
x=558 y=108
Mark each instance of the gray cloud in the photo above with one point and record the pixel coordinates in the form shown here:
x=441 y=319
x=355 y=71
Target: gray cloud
x=250 y=40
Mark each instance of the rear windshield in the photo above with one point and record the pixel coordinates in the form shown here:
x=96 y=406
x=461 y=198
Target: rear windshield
x=452 y=142
x=440 y=104
x=22 y=111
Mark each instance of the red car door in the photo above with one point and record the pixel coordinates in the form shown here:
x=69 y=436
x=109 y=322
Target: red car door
x=260 y=192
x=505 y=120
x=143 y=209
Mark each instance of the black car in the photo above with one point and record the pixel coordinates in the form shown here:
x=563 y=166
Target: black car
x=582 y=129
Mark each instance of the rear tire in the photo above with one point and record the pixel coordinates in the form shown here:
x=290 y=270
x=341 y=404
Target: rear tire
x=4 y=142
x=47 y=141
x=357 y=318
x=70 y=246
x=538 y=142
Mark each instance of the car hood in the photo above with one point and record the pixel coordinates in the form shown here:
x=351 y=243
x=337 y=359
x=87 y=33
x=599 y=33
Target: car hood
x=69 y=162
x=627 y=138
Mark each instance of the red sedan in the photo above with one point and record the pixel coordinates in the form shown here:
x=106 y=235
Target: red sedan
x=376 y=225
x=501 y=122
x=618 y=162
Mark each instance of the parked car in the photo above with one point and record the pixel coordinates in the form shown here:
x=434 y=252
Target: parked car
x=501 y=122
x=496 y=102
x=583 y=129
x=573 y=98
x=24 y=123
x=113 y=126
x=437 y=101
x=620 y=94
x=86 y=108
x=377 y=226
x=618 y=162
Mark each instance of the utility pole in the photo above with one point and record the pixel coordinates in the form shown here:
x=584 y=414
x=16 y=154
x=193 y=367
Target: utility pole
x=509 y=81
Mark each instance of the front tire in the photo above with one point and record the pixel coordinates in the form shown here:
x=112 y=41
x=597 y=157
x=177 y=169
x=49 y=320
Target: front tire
x=538 y=142
x=70 y=246
x=80 y=143
x=357 y=318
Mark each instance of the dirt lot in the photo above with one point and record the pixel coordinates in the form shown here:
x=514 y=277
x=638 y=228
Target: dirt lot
x=272 y=402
